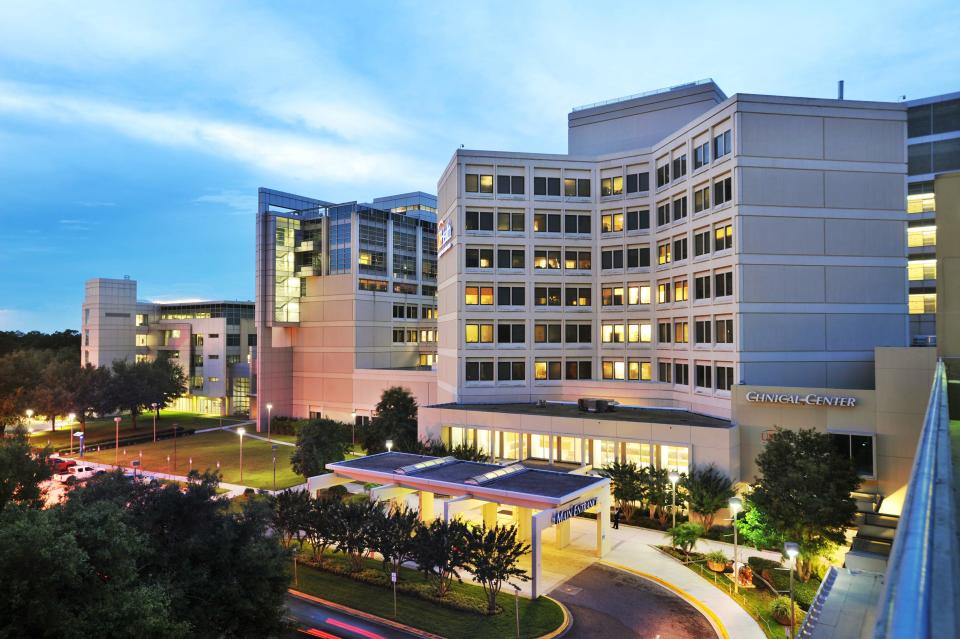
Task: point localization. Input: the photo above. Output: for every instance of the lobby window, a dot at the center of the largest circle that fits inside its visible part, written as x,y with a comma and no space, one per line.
675,458
547,333
664,372
579,369
547,186
478,183
680,291
511,221
611,222
576,223
611,296
663,253
664,332
576,187
578,333
478,295
611,186
510,184
701,331
681,374
578,296
722,191
546,259
701,155
604,452
921,270
546,222
722,145
576,260
478,257
611,259
723,237
680,208
638,182
479,370
701,199
611,333
724,377
724,331
857,448
680,249
510,296
923,303
511,258
638,219
638,332
511,446
637,453
570,449
511,370
663,293
476,221
681,332
547,370
638,370
638,294
478,333
546,296
701,287
377,286
679,166
638,256
724,284
613,369
921,236
663,214
663,174
701,243
540,446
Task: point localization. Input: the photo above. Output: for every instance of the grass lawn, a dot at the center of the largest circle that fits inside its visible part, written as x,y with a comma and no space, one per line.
536,617
104,430
206,450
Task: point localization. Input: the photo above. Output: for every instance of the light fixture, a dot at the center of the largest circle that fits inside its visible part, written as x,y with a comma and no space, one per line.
72,417
736,505
389,445
791,549
674,477
241,431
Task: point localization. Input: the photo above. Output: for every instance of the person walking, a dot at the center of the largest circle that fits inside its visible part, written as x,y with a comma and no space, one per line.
617,515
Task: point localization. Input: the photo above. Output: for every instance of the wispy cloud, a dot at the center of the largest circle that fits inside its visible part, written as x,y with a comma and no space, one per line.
238,203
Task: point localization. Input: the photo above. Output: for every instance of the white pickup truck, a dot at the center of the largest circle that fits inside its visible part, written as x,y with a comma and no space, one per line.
75,473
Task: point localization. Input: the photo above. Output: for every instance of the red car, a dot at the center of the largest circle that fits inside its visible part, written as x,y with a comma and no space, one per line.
59,464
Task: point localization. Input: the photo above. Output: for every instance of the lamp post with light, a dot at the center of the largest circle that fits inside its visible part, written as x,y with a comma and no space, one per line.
154,407
353,428
674,477
72,417
269,419
736,505
29,413
389,445
792,549
273,447
80,435
116,442
241,431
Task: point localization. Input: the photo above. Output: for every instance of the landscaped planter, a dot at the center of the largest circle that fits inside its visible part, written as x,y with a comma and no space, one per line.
717,566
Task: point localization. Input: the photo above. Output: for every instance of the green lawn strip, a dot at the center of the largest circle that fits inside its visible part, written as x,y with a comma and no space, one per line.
756,601
955,451
537,618
206,450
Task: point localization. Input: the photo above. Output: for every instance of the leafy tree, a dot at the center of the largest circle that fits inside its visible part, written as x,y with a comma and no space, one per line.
708,490
659,493
393,536
130,387
65,344
291,515
321,524
756,530
320,442
466,452
165,382
21,472
625,483
493,556
395,419
804,492
355,529
441,552
89,391
685,536
21,373
53,396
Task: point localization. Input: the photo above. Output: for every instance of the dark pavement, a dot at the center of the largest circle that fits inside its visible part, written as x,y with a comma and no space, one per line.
608,603
317,620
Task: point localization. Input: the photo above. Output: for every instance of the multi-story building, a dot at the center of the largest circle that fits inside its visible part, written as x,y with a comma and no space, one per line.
213,341
933,132
346,302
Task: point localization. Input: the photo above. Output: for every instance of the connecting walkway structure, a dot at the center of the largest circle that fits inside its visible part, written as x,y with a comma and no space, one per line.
539,499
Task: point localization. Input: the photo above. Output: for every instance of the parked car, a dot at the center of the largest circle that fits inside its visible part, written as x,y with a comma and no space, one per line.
75,474
60,464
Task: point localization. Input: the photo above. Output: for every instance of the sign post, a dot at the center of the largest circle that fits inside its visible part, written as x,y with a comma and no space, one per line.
393,580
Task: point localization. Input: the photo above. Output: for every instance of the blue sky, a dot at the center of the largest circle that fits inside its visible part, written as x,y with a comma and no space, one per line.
133,135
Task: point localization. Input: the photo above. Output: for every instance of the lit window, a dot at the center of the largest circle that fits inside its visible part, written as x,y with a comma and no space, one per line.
922,270
923,303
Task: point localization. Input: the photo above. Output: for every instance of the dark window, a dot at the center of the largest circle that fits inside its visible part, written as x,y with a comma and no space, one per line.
611,259
701,287
637,220
721,145
511,333
547,333
946,116
724,377
701,155
680,166
579,333
681,374
663,214
546,222
510,296
638,182
680,249
510,184
233,339
579,369
549,186
479,221
510,258
722,191
638,256
252,339
680,208
478,258
919,121
946,155
510,221
724,284
701,243
510,371
704,374
664,333
919,159
663,175
701,332
724,331
577,223
479,371
858,449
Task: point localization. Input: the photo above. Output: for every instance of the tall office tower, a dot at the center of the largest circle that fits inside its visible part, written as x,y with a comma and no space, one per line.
686,243
346,302
933,132
213,341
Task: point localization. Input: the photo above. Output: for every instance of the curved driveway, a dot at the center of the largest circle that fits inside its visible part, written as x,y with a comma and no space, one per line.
609,603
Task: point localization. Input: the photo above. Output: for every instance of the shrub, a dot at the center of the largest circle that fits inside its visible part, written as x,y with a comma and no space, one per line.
780,609
708,490
716,556
685,536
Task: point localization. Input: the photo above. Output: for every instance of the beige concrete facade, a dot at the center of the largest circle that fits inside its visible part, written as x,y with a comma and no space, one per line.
948,264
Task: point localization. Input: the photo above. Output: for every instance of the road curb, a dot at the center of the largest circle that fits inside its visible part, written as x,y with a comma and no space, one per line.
365,615
696,603
564,627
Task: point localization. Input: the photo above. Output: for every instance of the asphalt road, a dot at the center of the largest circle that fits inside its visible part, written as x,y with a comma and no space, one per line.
328,623
608,603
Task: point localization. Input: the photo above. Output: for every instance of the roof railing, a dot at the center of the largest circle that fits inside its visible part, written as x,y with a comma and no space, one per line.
645,94
921,593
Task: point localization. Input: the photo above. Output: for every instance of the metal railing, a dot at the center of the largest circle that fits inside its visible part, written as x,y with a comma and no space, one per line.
921,594
643,95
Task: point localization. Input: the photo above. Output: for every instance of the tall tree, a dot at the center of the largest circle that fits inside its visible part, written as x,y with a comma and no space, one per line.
393,536
441,552
708,490
21,373
493,556
625,483
131,387
21,472
320,442
54,396
396,420
90,391
804,491
356,526
291,513
166,382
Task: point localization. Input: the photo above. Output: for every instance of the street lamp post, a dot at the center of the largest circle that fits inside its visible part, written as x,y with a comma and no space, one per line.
353,428
80,435
175,446
241,431
735,504
71,418
269,419
674,478
154,407
792,549
116,442
273,447
389,445
29,413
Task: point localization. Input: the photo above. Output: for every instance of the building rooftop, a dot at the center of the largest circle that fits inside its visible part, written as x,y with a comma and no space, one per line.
621,413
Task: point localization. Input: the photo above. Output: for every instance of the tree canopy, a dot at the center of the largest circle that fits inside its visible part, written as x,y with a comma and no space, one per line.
21,472
395,419
319,442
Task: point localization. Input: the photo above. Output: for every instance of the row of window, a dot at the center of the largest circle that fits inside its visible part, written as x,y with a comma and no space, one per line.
414,311
414,336
403,288
722,146
706,332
